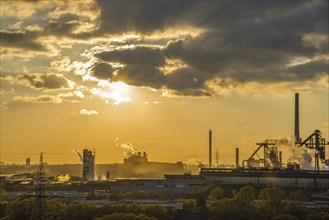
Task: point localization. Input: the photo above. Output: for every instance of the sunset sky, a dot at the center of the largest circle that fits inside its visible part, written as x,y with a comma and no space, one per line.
159,75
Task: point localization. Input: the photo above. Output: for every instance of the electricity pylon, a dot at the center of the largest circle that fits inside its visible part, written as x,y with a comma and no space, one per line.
39,207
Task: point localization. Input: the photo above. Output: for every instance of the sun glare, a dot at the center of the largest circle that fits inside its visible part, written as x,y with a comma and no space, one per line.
113,92
119,87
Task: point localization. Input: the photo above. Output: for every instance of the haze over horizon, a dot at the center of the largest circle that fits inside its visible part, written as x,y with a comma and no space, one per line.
97,74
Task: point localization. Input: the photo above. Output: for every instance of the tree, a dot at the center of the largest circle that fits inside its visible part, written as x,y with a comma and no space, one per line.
273,200
81,211
3,205
231,209
246,195
19,210
322,215
285,217
55,210
216,194
298,195
3,195
125,216
189,205
205,191
157,211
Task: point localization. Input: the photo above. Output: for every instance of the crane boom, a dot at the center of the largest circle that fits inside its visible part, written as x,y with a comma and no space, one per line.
81,159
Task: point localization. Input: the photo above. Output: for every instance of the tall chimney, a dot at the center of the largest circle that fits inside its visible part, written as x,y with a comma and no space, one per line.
280,158
210,148
297,137
237,157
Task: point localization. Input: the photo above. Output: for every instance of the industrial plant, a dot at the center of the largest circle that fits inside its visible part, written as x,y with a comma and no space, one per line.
267,169
263,168
142,182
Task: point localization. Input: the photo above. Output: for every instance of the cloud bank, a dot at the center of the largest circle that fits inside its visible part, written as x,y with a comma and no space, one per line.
192,48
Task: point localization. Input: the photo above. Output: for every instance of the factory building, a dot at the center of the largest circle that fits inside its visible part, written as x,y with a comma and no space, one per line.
284,178
88,165
137,165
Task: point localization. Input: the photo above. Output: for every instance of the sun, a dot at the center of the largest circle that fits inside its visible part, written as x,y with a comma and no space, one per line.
113,92
119,87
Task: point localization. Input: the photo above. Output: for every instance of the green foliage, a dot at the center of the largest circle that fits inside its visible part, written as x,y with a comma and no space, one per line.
3,205
298,195
246,195
273,200
227,192
231,209
125,216
124,208
81,211
157,211
285,217
205,191
189,205
3,195
216,194
19,210
55,210
319,215
22,209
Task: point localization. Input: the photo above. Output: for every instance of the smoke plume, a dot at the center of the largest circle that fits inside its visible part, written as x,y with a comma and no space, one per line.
300,155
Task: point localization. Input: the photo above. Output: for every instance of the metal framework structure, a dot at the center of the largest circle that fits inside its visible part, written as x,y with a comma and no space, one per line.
316,142
270,157
39,207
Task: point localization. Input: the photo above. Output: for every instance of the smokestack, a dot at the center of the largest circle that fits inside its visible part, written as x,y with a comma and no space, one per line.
237,157
297,138
280,158
210,148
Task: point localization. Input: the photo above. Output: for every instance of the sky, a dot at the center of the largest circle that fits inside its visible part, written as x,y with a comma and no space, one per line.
97,74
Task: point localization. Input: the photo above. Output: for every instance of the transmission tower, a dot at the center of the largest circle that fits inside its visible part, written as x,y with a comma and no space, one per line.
40,195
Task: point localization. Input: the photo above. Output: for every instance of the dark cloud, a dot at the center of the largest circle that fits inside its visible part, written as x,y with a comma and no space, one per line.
214,55
60,29
187,81
309,70
185,78
140,16
210,56
102,71
66,29
29,40
26,40
135,56
150,16
39,81
140,65
141,75
239,41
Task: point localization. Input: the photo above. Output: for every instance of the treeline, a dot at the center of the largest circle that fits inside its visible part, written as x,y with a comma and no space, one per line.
209,203
269,204
23,210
